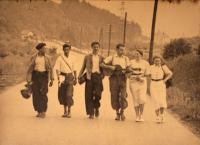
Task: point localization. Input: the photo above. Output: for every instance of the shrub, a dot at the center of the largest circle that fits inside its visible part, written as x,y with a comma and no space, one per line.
176,48
198,50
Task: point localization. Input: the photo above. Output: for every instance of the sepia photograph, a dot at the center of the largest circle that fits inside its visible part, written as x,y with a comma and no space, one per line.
99,72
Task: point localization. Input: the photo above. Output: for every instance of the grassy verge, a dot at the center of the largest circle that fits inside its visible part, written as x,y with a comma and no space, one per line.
184,96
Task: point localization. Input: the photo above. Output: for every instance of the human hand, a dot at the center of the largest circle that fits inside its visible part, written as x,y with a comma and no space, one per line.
51,83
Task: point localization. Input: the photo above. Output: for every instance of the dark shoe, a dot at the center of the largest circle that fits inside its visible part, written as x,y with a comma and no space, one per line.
123,116
96,113
64,115
117,117
69,115
38,115
91,117
43,115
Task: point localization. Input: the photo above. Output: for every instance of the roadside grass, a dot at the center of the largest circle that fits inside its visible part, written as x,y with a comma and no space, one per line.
184,96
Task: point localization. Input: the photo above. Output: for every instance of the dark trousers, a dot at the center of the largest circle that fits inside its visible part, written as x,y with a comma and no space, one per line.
118,92
93,91
40,89
65,91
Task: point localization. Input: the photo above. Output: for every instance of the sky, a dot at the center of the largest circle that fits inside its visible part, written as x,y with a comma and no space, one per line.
176,20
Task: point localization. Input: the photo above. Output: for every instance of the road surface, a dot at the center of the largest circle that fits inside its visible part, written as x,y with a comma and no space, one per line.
19,126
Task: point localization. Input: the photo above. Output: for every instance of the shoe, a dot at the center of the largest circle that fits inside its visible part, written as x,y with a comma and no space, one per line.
43,115
157,119
117,117
69,115
141,119
96,113
91,117
123,116
137,119
38,115
162,118
64,115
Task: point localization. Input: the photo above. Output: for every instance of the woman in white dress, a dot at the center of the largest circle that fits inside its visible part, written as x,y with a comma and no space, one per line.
159,74
138,83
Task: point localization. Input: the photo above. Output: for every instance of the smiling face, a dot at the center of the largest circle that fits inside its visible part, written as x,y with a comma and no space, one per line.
157,61
66,50
120,50
137,55
95,48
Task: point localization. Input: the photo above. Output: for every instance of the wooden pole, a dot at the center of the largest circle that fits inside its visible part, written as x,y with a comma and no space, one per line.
109,38
101,39
124,36
153,31
80,41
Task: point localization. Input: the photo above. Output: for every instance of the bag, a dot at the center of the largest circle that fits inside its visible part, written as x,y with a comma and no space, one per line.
169,82
26,93
61,93
82,79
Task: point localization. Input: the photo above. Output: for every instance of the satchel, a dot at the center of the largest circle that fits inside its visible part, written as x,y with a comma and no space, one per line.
61,93
82,79
169,82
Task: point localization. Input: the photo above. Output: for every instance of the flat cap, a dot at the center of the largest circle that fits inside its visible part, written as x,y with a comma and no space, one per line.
40,45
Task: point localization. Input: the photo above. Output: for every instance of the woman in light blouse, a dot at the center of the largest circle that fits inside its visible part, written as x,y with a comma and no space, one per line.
159,74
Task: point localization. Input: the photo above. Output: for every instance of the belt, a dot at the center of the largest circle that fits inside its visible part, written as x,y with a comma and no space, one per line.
136,74
39,72
65,74
156,80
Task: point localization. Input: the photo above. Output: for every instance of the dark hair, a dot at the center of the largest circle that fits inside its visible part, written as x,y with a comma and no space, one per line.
95,43
140,52
120,45
40,45
159,57
66,45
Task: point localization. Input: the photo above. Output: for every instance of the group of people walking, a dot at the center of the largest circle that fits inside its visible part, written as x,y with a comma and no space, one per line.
94,68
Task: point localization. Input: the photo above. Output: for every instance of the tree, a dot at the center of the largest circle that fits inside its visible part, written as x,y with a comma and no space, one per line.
176,48
154,24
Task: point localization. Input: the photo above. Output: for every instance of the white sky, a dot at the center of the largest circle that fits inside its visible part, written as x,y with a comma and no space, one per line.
174,19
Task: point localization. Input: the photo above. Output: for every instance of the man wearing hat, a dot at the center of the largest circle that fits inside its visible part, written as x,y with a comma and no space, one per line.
66,74
94,84
118,64
39,73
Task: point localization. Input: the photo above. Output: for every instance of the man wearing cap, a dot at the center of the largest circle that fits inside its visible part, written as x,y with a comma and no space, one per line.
39,73
138,83
66,74
118,64
94,85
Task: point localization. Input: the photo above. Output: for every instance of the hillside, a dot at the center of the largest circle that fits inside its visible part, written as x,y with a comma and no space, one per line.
62,21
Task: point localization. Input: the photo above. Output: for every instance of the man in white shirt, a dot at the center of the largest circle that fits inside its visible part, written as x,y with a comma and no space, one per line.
94,84
118,64
66,75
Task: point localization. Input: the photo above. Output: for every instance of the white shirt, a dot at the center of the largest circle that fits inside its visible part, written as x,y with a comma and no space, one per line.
40,64
61,65
123,61
95,63
158,72
139,67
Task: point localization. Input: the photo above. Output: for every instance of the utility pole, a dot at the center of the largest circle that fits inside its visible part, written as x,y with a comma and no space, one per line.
101,39
153,31
124,36
109,38
80,41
